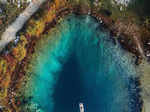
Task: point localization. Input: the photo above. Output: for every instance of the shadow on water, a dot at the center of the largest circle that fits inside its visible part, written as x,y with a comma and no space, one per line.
69,90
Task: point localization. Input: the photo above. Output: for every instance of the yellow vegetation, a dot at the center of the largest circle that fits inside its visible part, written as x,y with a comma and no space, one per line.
4,86
3,78
35,29
19,52
50,15
6,68
39,28
3,67
60,3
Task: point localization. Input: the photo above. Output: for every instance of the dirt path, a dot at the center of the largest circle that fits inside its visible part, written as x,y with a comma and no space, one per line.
10,32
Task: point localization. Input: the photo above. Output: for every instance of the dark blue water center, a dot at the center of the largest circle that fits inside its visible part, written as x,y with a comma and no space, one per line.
83,66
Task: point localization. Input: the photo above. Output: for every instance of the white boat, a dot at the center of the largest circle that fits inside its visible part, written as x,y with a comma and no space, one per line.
81,106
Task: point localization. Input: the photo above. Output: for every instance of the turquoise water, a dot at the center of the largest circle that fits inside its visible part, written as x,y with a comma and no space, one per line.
82,64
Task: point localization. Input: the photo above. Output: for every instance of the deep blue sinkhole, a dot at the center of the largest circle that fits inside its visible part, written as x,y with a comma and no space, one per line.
82,64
